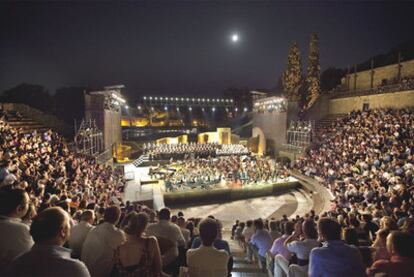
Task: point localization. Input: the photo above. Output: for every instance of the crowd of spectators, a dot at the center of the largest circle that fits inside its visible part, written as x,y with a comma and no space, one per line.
62,214
328,245
228,171
183,150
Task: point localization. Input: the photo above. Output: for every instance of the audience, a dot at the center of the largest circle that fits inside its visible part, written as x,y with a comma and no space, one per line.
261,241
365,159
98,250
80,231
300,243
15,238
400,246
139,255
207,261
169,234
278,247
334,258
50,231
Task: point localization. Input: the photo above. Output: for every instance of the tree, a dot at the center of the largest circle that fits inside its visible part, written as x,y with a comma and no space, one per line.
331,78
313,78
292,77
35,96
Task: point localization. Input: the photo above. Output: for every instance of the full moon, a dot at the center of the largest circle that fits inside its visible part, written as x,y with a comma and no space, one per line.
234,37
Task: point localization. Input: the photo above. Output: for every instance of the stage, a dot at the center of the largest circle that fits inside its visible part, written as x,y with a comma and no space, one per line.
140,187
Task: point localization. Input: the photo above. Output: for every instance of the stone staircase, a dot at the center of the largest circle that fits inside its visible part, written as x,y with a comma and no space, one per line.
241,267
144,158
25,124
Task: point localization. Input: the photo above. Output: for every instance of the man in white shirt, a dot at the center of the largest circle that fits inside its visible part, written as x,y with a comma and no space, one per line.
98,250
15,238
80,231
247,233
300,247
169,231
206,260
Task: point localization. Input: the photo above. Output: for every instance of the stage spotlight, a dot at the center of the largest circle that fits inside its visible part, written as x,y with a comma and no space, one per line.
145,98
202,109
152,109
161,98
156,98
126,107
213,109
150,97
178,109
190,109
236,109
139,107
166,108
204,100
245,109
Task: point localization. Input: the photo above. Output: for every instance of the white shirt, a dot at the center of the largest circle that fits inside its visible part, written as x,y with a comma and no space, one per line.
99,247
169,231
207,261
303,248
15,239
186,235
247,233
78,235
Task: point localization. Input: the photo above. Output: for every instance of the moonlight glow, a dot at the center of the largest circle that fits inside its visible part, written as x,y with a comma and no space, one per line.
234,38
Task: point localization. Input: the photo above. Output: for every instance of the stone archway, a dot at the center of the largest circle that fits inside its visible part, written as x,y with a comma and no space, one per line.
261,147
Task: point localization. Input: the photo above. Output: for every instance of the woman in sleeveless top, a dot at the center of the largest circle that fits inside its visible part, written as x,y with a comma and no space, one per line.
139,255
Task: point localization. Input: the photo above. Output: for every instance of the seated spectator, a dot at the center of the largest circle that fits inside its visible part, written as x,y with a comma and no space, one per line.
80,231
186,233
206,260
261,240
278,246
400,246
233,229
350,237
218,243
139,255
334,258
300,243
274,230
166,231
98,250
248,231
238,234
50,231
379,247
15,238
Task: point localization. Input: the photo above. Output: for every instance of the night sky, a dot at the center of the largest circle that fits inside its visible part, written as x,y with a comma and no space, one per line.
174,48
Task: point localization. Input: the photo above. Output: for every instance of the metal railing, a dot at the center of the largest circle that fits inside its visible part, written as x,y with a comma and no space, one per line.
404,86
